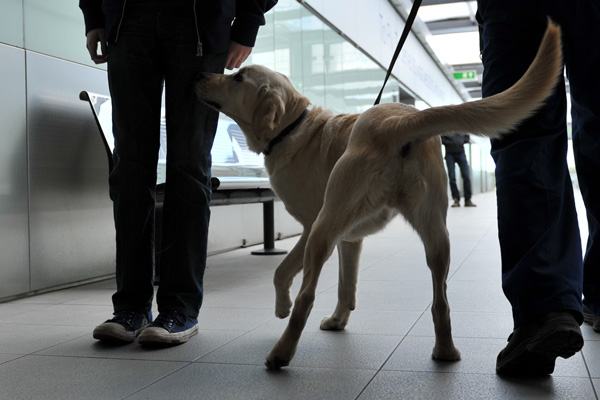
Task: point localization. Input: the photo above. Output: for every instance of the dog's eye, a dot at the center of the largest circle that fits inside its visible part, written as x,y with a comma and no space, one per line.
238,77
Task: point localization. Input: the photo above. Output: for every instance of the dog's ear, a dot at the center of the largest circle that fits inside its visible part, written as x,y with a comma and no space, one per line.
268,113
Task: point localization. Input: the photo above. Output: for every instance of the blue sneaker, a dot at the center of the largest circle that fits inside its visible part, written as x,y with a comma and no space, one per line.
169,328
123,327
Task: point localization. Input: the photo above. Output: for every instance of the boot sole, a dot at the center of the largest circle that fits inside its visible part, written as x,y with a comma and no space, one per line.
537,356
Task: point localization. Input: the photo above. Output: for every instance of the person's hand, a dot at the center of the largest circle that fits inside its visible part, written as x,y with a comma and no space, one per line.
237,55
94,37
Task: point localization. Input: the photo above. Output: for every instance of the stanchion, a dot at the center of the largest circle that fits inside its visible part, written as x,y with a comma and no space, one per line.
269,231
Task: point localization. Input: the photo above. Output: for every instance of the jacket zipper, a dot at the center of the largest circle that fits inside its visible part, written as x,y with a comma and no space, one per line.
199,44
120,21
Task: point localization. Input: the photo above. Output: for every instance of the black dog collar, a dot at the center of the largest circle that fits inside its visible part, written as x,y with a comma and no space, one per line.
284,133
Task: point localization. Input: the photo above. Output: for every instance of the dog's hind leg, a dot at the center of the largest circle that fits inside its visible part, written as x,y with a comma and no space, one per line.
284,276
349,253
431,227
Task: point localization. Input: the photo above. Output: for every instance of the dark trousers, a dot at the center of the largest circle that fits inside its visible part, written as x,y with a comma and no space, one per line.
155,49
542,266
465,173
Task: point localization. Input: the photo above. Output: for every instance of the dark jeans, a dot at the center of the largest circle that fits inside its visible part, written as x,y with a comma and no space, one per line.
157,48
465,173
542,266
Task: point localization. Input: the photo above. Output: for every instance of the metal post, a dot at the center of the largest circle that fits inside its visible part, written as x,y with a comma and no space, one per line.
269,231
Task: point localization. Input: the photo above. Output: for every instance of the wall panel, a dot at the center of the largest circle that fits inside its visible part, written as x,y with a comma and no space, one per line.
72,231
14,246
11,23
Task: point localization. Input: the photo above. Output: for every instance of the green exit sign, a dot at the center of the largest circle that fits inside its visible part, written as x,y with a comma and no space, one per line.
465,75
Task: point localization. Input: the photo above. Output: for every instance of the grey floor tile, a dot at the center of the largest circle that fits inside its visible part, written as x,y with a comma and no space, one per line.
398,270
8,357
470,325
477,302
491,288
16,308
62,315
316,349
384,301
448,386
27,339
420,288
48,378
243,298
85,346
249,382
589,334
233,319
591,352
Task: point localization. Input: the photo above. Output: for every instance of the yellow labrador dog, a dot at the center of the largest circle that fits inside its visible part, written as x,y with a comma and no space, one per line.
346,176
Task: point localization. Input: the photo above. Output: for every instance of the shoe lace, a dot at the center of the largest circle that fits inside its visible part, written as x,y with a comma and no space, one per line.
124,317
169,319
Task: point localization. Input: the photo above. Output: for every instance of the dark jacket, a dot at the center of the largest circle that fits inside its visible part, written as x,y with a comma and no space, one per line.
455,143
219,21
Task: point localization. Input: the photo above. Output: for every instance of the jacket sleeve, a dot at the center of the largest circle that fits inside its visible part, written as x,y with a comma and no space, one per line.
466,138
249,16
446,140
92,14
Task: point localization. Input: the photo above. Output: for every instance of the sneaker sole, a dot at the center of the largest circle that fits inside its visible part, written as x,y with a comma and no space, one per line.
161,337
538,355
113,333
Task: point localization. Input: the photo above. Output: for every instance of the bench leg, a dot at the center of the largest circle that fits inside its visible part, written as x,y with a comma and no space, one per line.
269,231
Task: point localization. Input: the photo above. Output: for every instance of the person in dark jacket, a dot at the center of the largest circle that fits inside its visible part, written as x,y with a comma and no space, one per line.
455,154
149,44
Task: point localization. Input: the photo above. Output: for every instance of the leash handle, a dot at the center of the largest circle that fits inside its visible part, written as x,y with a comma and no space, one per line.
405,32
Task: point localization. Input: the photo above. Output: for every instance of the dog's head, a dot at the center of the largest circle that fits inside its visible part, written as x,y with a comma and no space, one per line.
262,102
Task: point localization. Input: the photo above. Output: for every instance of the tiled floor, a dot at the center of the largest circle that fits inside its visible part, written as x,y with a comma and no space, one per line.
47,352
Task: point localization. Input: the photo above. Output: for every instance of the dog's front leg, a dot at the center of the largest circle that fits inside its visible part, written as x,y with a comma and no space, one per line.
284,276
317,252
349,254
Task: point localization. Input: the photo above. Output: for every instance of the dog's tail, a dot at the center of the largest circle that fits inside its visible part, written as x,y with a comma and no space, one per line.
502,112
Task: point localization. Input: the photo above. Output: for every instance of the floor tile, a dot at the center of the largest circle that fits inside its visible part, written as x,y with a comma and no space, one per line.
316,349
448,386
79,378
244,382
27,339
470,325
203,343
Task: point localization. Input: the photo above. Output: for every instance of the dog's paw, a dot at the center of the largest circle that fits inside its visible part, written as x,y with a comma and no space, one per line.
283,308
450,354
332,324
275,363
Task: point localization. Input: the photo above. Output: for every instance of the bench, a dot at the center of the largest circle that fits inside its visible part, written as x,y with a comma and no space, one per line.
226,190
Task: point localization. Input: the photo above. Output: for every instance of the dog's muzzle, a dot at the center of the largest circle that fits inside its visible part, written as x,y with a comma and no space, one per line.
201,91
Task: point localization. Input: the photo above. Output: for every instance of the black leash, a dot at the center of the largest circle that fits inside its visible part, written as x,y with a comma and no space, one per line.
405,32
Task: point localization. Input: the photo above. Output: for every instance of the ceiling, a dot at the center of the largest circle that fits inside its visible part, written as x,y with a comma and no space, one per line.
448,30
